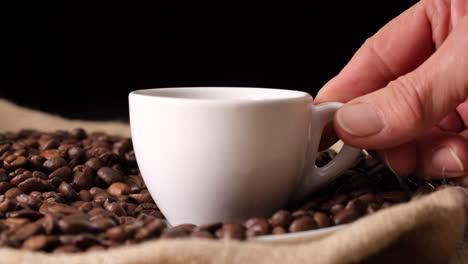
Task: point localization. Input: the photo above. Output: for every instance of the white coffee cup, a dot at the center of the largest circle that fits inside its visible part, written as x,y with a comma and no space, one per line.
212,154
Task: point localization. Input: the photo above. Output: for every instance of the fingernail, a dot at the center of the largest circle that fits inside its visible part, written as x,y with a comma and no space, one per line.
447,161
359,119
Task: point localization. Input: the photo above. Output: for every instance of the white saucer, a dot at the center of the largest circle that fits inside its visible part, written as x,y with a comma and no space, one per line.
312,234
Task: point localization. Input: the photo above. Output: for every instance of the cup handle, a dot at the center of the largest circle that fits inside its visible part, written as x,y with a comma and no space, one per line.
348,156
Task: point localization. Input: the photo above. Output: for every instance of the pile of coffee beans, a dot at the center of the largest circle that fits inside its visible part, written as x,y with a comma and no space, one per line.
70,191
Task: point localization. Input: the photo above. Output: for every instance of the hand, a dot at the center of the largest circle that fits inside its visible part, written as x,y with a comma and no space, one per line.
405,90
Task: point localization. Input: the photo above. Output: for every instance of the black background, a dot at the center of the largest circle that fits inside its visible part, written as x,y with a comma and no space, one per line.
82,63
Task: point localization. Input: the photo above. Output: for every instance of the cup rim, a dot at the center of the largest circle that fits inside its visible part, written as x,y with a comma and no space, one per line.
281,95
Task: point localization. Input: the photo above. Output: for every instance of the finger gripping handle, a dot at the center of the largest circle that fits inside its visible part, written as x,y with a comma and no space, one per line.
316,177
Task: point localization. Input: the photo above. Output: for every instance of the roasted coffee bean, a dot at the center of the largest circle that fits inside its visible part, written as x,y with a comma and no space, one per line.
135,182
66,249
357,205
76,153
4,148
16,172
36,161
13,223
57,209
28,201
78,133
49,223
120,233
302,224
95,190
7,205
257,227
3,175
25,231
336,208
83,176
67,239
232,232
95,248
63,173
209,227
85,206
145,206
345,216
153,229
20,152
3,227
101,197
53,197
31,184
152,212
55,181
129,208
367,198
13,192
39,175
189,227
281,218
106,214
143,197
86,240
174,232
109,175
122,146
20,178
51,153
41,242
116,208
372,208
321,219
118,188
13,162
278,230
130,158
54,163
36,195
68,191
73,163
301,213
397,197
85,196
73,224
386,205
123,199
77,204
24,213
202,234
49,144
108,158
94,164
97,211
125,220
338,199
4,186
117,167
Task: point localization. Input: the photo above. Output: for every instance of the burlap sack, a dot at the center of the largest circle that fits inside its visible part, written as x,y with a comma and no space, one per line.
429,229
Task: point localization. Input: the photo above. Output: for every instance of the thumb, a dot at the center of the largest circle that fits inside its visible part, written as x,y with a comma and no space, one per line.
410,105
